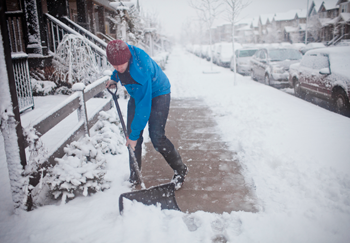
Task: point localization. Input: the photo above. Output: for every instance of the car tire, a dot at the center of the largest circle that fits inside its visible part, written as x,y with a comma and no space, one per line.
267,80
252,75
341,102
297,90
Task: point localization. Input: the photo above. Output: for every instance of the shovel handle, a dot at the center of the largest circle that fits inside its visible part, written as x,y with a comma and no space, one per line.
135,164
115,98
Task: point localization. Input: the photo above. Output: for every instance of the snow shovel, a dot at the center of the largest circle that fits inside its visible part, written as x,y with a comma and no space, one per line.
163,194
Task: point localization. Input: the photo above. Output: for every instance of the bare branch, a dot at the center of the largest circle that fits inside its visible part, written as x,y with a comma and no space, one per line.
207,10
234,8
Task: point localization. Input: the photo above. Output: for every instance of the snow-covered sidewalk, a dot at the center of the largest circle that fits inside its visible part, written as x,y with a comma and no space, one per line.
297,155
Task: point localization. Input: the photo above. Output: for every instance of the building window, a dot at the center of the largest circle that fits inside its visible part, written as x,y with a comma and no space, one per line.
344,8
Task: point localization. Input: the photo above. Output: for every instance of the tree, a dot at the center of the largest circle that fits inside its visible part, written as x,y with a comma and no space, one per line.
134,25
187,33
233,9
207,11
314,28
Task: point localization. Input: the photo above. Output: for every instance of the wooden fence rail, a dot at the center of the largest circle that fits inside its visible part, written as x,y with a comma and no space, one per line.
75,102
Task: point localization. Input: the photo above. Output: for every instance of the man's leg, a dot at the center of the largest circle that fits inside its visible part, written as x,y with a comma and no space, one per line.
138,149
156,124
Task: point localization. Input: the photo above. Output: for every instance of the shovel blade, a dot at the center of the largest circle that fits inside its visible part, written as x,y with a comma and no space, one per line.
163,194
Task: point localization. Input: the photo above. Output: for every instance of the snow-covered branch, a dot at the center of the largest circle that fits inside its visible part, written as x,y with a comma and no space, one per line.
233,8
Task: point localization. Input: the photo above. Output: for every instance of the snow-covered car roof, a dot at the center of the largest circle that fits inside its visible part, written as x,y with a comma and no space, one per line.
339,57
315,44
277,47
249,48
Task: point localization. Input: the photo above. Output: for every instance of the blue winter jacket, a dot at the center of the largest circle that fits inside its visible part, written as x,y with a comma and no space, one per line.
152,83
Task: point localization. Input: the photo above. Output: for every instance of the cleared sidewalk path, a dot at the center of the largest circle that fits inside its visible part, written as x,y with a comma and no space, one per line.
214,182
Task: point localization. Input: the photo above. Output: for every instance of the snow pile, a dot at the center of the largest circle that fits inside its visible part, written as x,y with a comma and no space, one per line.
36,149
42,88
107,132
82,169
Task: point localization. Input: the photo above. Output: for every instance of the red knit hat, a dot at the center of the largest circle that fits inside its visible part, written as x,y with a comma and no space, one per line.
118,52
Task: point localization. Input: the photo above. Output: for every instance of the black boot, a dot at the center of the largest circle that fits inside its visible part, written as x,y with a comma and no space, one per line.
179,177
180,169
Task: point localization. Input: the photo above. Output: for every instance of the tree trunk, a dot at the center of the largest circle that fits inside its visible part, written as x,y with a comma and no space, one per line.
234,54
211,51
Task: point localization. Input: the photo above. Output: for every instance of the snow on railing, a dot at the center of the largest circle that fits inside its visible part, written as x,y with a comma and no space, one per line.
105,36
58,29
76,101
86,33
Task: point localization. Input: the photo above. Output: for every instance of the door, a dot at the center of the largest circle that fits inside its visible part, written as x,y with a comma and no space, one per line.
322,80
307,73
254,63
262,64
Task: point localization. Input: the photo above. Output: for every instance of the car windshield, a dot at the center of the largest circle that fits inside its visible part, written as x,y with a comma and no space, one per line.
246,53
276,55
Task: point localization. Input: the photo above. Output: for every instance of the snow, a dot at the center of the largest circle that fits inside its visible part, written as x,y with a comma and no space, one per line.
122,5
78,87
42,87
289,29
17,55
296,153
339,59
315,44
330,4
289,15
345,17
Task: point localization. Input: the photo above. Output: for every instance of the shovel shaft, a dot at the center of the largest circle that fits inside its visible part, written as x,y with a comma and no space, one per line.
133,157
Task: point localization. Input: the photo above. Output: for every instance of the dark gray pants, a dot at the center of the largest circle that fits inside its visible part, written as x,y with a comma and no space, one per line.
156,126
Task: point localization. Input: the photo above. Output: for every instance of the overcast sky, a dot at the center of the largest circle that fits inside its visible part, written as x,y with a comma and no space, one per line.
172,13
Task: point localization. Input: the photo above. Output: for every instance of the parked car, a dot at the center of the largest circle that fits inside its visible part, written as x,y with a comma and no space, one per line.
224,53
197,50
206,52
243,57
324,73
271,65
343,43
298,46
215,49
311,46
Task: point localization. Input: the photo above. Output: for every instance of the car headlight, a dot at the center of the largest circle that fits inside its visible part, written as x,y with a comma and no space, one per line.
277,69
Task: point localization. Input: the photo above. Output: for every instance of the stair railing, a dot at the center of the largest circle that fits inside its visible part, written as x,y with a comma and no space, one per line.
57,29
87,34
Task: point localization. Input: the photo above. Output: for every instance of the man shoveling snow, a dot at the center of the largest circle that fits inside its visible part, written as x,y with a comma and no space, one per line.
149,89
